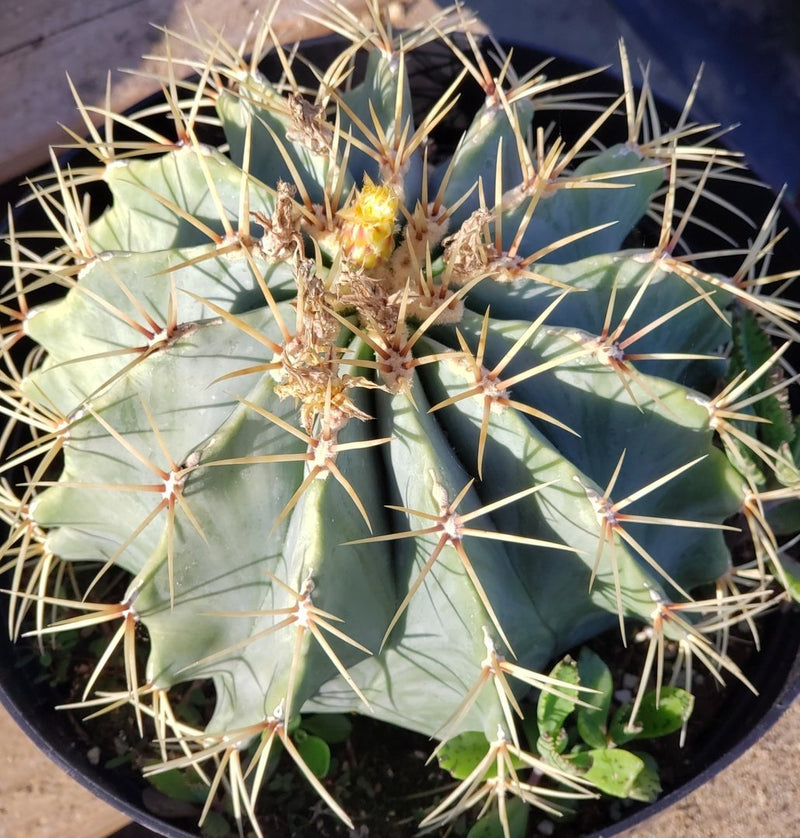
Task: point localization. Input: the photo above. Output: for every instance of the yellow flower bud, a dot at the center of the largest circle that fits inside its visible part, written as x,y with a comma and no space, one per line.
368,225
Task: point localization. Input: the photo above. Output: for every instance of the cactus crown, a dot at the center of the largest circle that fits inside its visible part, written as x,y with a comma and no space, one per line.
377,427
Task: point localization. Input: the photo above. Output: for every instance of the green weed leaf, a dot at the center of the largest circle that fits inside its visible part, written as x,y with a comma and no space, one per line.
315,752
461,754
180,785
332,727
614,770
658,716
552,710
784,519
490,826
751,348
593,723
647,786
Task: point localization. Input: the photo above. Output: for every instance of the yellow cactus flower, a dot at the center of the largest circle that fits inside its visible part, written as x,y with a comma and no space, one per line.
368,225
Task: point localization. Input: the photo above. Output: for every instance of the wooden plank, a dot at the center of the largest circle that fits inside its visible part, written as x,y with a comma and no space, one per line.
34,21
34,93
37,799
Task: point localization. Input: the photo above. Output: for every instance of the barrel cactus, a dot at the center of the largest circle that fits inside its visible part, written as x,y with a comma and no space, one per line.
373,425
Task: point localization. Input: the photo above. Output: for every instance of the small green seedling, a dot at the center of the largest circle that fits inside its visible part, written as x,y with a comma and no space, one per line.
579,732
314,736
588,737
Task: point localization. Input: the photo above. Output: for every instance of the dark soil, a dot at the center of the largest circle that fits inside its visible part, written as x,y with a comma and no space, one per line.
380,775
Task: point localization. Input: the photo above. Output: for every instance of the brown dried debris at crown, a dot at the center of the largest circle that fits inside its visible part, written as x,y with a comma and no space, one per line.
309,127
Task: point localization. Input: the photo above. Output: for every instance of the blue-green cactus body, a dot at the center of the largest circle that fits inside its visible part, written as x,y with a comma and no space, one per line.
292,460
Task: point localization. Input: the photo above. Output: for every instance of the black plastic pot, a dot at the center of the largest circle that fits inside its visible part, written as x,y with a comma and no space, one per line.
57,734
742,719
